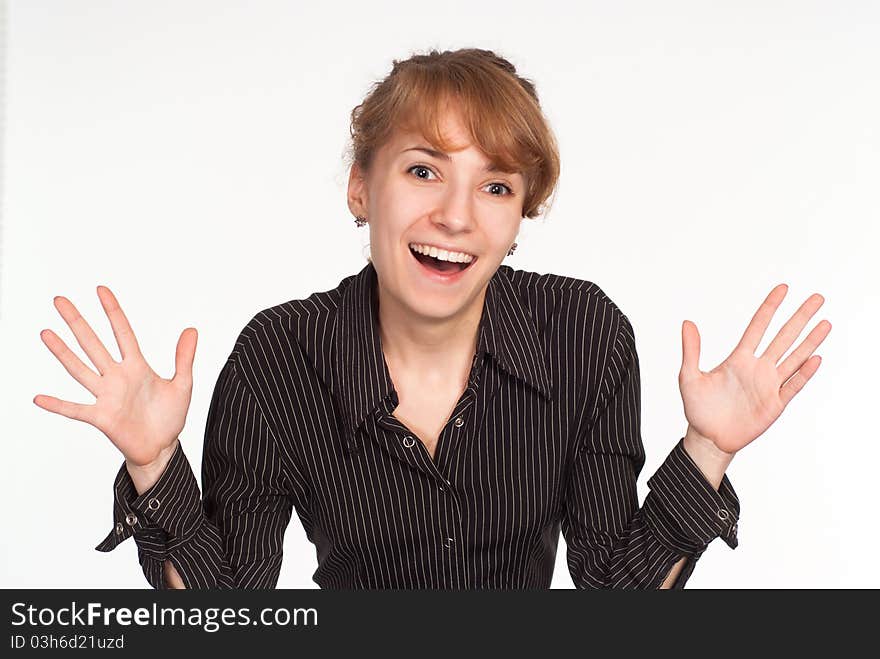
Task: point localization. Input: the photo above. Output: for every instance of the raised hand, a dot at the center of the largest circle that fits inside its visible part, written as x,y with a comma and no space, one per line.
140,412
735,402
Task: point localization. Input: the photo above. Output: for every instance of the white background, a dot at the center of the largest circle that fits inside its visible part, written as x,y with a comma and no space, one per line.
189,154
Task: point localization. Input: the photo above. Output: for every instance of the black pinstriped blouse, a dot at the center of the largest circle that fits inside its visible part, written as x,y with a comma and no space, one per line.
546,436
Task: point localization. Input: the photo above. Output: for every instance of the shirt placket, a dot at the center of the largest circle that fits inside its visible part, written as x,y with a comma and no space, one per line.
452,435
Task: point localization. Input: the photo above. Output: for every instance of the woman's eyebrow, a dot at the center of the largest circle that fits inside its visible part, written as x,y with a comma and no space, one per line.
491,167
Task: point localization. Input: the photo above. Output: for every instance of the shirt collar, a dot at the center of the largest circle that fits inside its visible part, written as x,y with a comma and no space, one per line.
506,331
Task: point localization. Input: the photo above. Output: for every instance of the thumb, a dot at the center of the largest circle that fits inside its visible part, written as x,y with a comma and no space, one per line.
185,355
690,350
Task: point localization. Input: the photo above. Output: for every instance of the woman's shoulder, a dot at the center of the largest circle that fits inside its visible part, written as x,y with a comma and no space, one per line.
563,294
578,322
287,322
318,304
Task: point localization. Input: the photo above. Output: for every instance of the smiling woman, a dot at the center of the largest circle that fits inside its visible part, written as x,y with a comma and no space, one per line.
437,418
499,110
449,153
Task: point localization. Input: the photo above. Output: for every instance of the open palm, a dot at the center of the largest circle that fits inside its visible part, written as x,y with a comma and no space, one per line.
735,402
139,411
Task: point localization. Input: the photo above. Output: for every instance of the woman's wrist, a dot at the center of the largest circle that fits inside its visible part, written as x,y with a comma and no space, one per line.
146,476
711,460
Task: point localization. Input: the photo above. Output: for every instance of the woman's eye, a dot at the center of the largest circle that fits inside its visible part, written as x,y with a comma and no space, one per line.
501,185
421,168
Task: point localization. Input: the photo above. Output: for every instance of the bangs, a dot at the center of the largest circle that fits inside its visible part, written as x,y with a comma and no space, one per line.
498,109
491,117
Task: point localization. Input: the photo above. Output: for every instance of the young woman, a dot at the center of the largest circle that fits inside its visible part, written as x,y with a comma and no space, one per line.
438,417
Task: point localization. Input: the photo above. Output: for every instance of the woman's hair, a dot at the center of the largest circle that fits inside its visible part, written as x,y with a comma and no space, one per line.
499,108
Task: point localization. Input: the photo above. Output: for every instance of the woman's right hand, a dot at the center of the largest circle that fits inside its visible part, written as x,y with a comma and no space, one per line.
140,412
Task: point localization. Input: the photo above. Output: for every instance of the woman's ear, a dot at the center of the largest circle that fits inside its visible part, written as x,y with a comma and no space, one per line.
357,191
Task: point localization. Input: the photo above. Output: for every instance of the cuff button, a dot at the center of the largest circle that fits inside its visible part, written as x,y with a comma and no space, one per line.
119,528
131,519
153,504
723,514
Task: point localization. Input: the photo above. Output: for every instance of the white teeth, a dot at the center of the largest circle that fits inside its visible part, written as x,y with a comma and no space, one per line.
441,254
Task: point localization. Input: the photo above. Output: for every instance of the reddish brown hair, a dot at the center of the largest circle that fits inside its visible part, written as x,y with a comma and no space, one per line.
499,108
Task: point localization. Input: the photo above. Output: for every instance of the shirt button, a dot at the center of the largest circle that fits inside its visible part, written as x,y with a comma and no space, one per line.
723,514
119,528
448,543
131,519
153,504
459,422
408,441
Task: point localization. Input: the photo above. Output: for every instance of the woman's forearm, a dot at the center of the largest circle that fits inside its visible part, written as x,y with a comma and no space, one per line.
673,573
172,579
713,464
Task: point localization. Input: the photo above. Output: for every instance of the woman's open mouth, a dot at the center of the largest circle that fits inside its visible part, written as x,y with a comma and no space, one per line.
445,266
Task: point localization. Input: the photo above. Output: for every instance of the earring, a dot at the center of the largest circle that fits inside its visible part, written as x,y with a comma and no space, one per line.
512,249
360,221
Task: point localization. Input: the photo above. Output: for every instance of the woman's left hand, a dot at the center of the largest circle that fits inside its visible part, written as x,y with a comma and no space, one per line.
736,401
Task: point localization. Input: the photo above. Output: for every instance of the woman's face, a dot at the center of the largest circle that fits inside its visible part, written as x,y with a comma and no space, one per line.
415,195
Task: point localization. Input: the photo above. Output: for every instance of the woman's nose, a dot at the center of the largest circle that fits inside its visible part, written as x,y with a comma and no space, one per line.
456,209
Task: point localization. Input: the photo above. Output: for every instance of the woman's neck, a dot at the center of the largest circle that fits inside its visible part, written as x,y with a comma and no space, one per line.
431,347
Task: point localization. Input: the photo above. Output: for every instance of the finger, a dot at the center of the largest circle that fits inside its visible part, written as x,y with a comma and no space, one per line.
761,320
84,334
807,347
76,411
72,364
690,350
792,329
797,381
125,338
184,356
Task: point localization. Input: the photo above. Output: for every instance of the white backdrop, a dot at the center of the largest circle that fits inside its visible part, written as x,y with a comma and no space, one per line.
189,154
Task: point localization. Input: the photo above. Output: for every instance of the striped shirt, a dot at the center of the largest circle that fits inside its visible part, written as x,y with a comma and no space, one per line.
545,437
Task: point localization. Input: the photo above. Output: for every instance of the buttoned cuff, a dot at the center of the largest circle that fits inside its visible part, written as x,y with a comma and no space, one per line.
164,517
683,509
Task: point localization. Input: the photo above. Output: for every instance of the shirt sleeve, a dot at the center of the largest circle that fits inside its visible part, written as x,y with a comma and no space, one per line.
611,541
231,538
